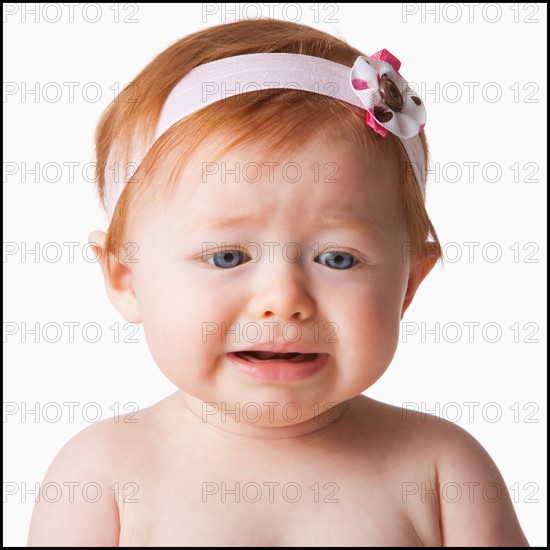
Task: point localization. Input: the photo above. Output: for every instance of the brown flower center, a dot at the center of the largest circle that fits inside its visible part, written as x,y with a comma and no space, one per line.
390,93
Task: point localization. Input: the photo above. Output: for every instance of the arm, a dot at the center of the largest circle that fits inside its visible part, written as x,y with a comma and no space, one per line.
70,512
474,503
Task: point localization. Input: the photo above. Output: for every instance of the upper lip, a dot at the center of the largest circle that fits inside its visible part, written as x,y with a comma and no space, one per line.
279,347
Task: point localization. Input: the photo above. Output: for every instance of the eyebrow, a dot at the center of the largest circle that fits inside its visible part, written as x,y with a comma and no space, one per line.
360,223
356,222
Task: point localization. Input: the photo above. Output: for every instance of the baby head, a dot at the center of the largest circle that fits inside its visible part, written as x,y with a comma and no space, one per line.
276,221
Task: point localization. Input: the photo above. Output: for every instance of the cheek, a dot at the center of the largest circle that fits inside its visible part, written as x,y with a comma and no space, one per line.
375,321
370,327
180,321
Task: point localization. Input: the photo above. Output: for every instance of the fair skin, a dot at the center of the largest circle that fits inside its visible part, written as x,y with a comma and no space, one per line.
365,473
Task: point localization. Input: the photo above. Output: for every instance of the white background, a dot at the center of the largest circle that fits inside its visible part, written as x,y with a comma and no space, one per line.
496,48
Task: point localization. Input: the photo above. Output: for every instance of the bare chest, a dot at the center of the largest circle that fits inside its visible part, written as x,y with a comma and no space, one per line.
253,508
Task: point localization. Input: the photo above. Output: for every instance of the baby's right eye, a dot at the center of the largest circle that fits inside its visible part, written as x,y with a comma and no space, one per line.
226,258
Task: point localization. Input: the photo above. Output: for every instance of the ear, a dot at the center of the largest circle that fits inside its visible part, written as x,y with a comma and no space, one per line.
419,269
118,279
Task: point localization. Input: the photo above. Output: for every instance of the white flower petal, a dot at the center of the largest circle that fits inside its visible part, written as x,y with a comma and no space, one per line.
401,125
367,97
364,71
416,112
385,68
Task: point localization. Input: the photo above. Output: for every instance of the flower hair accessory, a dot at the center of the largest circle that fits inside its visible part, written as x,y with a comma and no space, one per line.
390,103
373,83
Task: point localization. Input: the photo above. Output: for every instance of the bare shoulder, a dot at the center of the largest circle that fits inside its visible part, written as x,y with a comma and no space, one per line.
475,507
83,485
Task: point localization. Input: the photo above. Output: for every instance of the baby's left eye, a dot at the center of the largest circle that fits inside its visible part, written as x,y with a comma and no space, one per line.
337,260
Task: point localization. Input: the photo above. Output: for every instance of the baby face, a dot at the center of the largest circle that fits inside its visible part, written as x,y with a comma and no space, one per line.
292,255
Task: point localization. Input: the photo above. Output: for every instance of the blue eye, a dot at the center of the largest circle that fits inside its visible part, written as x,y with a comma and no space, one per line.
226,259
337,260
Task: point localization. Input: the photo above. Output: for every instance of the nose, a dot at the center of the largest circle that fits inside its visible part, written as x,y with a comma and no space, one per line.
282,292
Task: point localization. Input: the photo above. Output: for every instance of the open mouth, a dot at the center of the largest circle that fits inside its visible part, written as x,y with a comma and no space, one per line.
259,356
279,367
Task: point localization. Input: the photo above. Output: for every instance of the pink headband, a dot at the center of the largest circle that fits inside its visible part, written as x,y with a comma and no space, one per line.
373,83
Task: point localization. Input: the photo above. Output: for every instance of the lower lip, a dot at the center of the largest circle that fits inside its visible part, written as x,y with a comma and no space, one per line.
282,371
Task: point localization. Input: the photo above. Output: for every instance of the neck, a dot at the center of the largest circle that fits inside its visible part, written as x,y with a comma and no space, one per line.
224,424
